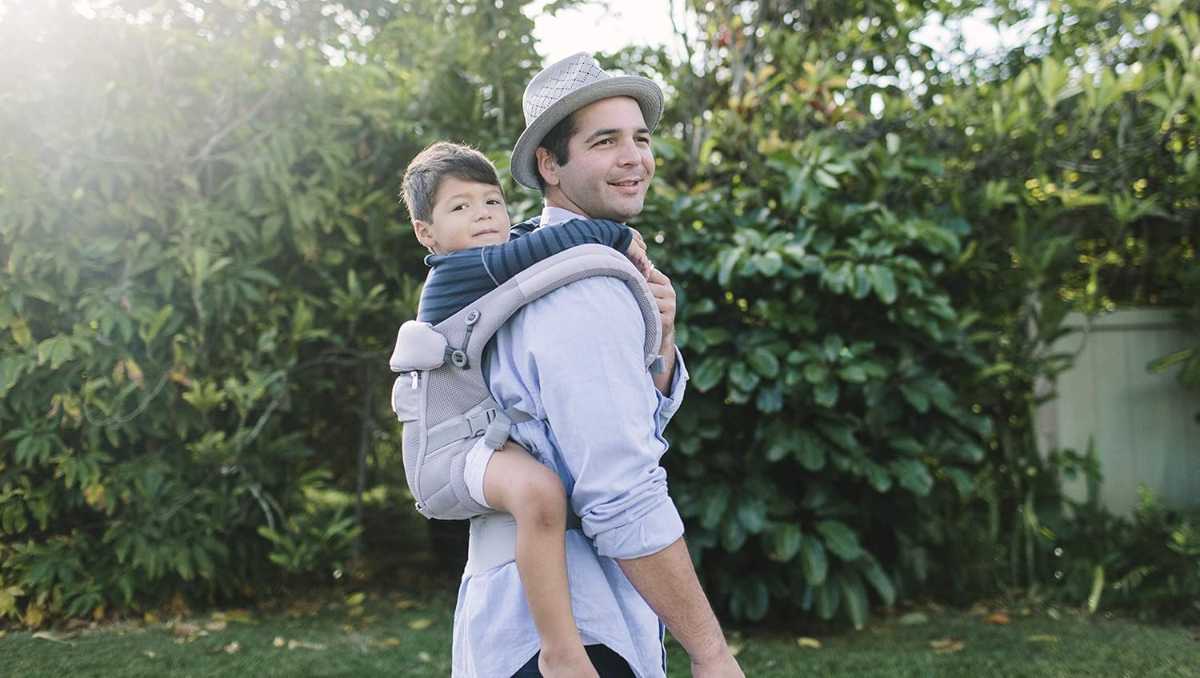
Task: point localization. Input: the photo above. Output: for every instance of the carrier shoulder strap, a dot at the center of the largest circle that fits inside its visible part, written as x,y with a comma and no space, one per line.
468,331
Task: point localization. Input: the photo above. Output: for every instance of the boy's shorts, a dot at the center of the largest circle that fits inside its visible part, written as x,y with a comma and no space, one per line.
475,468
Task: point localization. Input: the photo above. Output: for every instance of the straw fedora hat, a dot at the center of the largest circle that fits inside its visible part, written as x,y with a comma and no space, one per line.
565,87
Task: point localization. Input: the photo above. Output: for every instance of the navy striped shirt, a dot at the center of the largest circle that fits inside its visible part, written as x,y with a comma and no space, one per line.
457,279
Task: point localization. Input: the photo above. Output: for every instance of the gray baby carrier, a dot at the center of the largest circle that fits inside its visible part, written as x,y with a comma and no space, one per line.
441,396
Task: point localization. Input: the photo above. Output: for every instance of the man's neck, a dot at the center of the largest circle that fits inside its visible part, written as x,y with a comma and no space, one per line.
552,215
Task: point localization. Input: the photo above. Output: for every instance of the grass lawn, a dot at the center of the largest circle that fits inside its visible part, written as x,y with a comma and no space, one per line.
394,634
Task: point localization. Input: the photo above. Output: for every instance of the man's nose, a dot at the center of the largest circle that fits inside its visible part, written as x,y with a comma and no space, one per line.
628,154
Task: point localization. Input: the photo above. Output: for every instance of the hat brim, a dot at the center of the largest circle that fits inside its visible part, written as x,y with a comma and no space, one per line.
645,92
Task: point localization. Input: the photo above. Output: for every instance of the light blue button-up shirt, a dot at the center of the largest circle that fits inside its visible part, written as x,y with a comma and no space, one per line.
573,361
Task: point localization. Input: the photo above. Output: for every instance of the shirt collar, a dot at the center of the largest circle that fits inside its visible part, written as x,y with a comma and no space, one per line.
552,216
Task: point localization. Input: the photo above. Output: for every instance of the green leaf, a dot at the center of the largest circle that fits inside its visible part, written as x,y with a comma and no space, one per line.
785,542
768,263
879,580
828,599
728,259
962,480
764,362
813,560
853,374
826,395
815,373
884,282
810,451
840,539
915,398
855,597
741,376
752,514
709,374
913,476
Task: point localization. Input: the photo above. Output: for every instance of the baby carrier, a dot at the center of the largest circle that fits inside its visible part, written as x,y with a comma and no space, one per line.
441,396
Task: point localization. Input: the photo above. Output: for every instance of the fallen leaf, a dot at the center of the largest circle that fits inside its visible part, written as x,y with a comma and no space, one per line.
947,645
279,641
184,629
811,643
232,648
420,624
149,653
3,633
424,656
978,610
1000,617
55,637
355,599
355,612
404,604
294,644
150,618
1053,614
391,642
914,618
1042,638
241,616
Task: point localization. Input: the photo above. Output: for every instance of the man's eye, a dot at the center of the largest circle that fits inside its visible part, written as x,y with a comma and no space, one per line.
603,142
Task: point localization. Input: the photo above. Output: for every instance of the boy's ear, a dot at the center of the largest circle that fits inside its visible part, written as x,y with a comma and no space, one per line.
547,165
424,233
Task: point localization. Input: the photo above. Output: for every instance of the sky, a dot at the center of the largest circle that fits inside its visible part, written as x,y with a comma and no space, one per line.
606,26
595,28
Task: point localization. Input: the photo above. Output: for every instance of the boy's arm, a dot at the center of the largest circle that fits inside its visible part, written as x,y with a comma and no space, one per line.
505,260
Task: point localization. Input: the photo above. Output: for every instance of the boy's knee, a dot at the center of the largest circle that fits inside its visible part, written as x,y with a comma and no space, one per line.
543,500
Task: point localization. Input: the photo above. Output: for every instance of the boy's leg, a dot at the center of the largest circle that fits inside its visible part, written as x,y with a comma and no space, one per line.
517,484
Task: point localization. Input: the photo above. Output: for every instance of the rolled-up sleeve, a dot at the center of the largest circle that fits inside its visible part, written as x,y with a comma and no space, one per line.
607,417
669,404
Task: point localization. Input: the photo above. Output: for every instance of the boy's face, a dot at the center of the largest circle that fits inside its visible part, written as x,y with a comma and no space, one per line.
466,214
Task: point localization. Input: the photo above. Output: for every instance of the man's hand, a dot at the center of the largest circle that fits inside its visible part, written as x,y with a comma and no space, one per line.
664,295
637,254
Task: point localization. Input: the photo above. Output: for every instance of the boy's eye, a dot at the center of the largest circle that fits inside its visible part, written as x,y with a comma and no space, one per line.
456,208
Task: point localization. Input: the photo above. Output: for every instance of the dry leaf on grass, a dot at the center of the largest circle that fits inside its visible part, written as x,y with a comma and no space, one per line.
810,643
404,604
300,644
56,637
184,629
424,656
3,633
947,645
232,648
150,653
1042,638
420,624
1000,617
279,641
216,625
914,618
391,642
355,599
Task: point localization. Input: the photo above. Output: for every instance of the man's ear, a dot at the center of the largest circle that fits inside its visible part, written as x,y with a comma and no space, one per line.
547,165
424,233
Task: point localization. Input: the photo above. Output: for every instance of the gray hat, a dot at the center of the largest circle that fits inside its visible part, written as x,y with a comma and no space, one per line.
565,87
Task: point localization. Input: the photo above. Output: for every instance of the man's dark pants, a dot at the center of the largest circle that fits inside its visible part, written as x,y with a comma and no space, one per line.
608,664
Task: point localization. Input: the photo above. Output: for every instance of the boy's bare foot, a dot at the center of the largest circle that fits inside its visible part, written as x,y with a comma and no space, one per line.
567,664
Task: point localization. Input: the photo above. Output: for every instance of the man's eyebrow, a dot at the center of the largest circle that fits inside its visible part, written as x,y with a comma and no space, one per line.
612,130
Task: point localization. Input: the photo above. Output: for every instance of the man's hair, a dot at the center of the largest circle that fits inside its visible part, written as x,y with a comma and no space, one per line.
555,141
438,161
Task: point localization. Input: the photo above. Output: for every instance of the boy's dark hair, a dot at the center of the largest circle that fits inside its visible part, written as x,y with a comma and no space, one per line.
438,161
555,141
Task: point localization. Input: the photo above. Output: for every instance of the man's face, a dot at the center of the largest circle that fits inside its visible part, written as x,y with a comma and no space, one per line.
609,164
465,214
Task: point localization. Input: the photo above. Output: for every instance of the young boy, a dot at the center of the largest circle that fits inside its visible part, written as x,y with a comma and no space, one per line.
458,212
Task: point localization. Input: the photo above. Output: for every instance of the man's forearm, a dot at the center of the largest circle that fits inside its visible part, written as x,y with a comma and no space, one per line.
669,584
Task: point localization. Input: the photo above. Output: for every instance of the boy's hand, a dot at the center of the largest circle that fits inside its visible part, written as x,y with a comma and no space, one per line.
637,254
664,296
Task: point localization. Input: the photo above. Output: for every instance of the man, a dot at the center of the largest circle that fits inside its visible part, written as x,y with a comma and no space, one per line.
573,361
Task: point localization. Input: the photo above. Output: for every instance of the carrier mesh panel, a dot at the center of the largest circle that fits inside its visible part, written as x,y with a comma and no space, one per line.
412,445
452,392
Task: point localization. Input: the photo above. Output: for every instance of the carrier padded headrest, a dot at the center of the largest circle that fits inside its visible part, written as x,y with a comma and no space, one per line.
418,347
